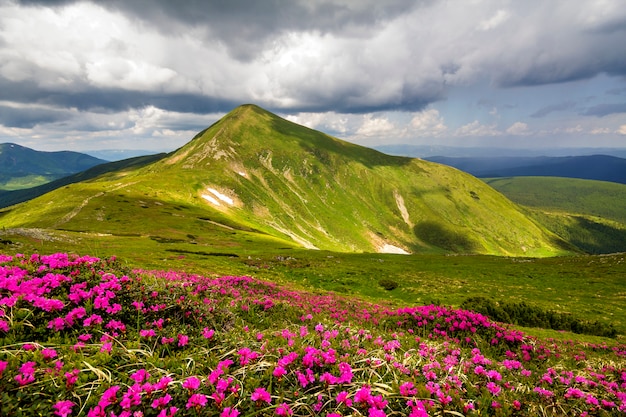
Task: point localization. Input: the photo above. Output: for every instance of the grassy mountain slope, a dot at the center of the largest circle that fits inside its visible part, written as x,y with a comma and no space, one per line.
255,173
22,167
589,214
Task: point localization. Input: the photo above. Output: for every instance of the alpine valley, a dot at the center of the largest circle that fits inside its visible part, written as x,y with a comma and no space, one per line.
267,269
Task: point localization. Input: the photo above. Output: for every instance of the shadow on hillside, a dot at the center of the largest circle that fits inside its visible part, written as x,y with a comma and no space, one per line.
321,145
595,238
439,235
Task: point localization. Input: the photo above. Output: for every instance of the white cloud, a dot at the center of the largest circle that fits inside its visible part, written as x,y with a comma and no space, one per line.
427,123
622,130
331,122
518,129
574,129
600,131
494,21
375,126
475,128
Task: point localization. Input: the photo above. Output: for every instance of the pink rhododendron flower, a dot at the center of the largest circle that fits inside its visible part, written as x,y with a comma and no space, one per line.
71,378
183,340
196,400
279,371
63,408
161,402
49,353
192,383
24,379
132,397
363,395
260,394
407,389
147,333
342,398
140,376
493,388
109,396
283,410
375,412
229,412
167,412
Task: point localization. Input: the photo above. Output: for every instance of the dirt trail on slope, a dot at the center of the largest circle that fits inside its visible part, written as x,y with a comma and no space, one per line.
69,216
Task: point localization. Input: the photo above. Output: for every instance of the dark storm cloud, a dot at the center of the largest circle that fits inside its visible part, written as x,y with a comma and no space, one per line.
109,100
26,118
418,47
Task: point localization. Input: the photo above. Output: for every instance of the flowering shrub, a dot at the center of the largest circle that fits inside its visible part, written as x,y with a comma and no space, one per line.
84,336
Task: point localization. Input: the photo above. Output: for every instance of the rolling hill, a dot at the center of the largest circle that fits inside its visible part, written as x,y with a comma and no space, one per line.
22,167
587,213
254,175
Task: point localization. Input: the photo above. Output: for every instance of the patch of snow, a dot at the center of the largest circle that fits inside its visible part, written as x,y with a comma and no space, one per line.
402,207
210,199
387,248
226,199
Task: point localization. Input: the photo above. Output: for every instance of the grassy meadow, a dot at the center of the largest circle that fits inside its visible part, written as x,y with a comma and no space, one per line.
591,288
90,336
128,294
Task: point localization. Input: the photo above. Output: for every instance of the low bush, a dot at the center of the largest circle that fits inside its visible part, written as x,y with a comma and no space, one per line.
388,284
531,316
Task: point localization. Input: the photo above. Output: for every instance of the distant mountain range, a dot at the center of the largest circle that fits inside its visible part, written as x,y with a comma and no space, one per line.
427,151
591,167
22,167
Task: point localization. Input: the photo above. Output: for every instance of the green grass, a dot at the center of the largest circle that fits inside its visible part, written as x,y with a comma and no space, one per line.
590,288
26,181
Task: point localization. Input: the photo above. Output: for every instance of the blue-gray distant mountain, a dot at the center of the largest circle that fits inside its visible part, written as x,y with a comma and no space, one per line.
592,167
22,167
426,151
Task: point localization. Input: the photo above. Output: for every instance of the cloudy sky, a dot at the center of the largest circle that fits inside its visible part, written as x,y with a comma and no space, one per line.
149,74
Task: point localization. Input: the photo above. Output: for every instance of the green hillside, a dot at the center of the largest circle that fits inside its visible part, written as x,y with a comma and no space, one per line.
589,214
256,173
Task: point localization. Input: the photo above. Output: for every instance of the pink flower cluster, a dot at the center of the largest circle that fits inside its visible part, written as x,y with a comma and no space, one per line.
126,344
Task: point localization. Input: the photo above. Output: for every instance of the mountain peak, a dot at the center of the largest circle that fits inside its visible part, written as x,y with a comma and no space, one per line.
322,192
249,131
